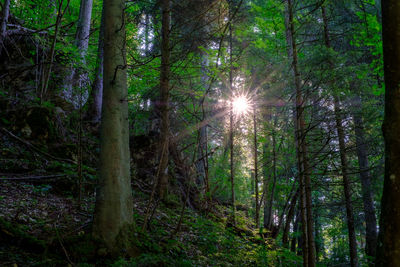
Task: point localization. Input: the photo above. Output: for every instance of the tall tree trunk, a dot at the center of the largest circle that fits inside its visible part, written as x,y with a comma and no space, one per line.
257,215
231,123
155,49
289,198
232,166
365,177
343,160
96,95
201,154
388,250
272,193
163,104
346,184
79,77
4,19
202,164
319,238
304,170
266,180
114,203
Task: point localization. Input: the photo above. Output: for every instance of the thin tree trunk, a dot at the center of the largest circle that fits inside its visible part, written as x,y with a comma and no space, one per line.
289,218
307,188
114,202
96,95
232,166
287,202
202,164
365,177
346,185
252,187
47,71
319,239
300,240
206,173
388,250
304,170
201,153
164,101
4,20
303,220
231,124
257,215
344,163
272,193
266,181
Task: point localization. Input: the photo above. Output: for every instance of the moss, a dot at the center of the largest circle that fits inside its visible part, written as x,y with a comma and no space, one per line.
126,245
172,201
127,241
83,247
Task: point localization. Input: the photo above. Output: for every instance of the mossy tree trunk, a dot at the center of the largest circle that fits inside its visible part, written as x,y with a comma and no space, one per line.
114,204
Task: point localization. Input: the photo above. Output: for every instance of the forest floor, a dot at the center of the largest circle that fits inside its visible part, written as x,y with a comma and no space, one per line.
42,223
40,228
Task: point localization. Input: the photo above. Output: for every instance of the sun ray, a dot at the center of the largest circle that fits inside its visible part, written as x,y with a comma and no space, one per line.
240,105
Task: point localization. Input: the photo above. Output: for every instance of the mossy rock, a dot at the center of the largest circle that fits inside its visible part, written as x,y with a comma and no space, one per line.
39,121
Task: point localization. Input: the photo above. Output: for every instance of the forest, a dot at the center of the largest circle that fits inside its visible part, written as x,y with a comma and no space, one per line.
200,133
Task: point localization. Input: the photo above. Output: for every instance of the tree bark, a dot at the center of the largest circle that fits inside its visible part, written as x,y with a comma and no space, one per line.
388,250
4,20
232,165
289,218
346,185
77,77
272,193
202,154
231,122
163,104
47,69
266,181
202,164
257,215
114,203
319,238
365,177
